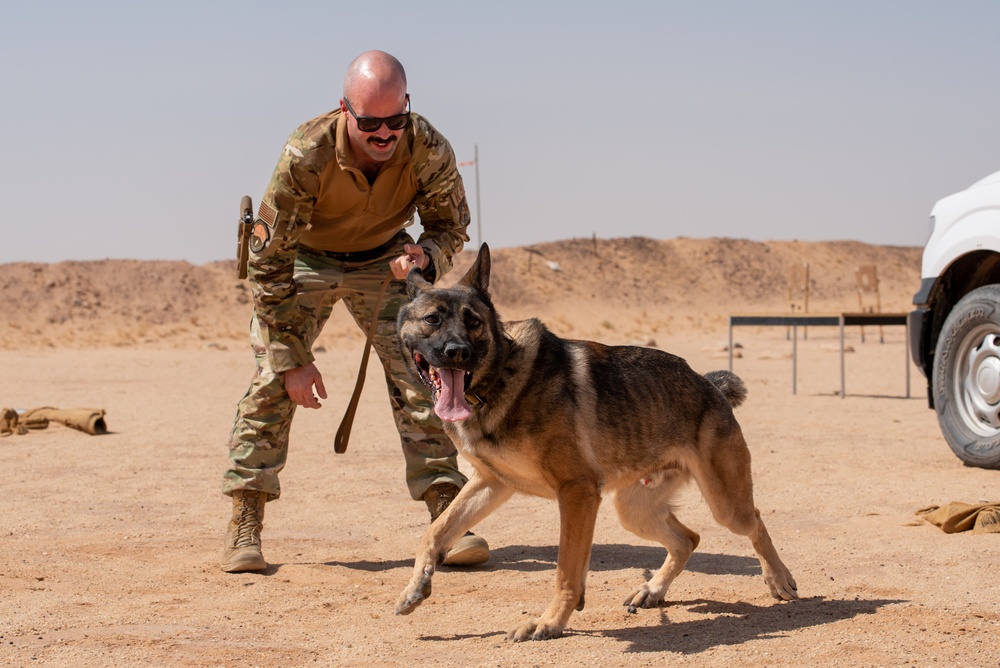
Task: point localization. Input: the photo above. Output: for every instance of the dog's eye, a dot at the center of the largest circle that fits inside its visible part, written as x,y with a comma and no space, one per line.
432,319
472,321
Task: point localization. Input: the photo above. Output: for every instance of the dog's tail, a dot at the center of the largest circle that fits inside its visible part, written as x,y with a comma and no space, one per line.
730,385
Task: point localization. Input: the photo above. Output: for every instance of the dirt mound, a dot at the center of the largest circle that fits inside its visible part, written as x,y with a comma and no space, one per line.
120,303
730,273
583,284
635,289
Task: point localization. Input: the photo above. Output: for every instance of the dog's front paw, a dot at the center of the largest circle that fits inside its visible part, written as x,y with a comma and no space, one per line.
643,597
414,594
536,630
782,585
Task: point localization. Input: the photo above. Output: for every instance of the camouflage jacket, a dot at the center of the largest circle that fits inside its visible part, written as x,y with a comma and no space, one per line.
315,198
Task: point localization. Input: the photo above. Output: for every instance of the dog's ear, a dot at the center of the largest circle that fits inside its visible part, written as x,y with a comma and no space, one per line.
478,276
416,283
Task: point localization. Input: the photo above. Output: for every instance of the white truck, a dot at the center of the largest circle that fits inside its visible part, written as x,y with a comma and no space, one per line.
954,331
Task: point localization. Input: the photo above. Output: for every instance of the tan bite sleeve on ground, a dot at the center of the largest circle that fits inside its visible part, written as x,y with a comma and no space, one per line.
88,420
958,516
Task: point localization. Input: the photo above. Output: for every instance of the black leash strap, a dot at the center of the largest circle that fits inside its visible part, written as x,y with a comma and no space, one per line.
344,431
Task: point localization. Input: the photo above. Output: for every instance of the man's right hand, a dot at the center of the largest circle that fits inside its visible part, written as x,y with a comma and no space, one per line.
299,385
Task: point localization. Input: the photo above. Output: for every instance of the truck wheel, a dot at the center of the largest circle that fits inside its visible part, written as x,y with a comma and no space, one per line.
967,378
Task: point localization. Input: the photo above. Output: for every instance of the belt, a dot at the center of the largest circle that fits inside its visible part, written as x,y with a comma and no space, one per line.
353,256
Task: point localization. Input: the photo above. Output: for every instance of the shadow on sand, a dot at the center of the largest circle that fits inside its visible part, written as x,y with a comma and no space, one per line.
729,624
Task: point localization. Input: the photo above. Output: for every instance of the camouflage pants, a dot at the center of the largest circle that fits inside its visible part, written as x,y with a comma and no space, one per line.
258,445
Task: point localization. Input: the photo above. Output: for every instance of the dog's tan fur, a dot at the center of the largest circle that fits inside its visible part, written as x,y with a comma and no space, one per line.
554,424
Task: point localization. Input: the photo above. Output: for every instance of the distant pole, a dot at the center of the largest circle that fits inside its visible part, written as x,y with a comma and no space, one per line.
479,210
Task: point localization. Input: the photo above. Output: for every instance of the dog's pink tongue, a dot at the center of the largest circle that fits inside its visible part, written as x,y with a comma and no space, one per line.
451,405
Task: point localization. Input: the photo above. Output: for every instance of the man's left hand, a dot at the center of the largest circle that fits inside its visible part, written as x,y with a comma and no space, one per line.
414,258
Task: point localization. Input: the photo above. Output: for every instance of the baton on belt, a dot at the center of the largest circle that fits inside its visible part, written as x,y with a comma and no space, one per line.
245,224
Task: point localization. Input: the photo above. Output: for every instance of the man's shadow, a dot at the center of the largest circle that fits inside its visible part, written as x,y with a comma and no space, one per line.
603,557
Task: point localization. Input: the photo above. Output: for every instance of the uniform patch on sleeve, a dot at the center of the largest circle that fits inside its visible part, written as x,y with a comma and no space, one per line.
267,213
259,235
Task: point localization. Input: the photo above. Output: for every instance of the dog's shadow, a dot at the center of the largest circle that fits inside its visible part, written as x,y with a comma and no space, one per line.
726,623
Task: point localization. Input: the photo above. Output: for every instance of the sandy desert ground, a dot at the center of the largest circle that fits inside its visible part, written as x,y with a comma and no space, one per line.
110,543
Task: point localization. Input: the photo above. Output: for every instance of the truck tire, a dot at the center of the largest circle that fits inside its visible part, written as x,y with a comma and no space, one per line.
967,378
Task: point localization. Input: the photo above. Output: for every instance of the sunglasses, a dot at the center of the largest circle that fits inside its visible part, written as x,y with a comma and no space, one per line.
373,123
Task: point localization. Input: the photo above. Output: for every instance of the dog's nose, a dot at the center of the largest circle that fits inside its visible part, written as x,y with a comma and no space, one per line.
457,352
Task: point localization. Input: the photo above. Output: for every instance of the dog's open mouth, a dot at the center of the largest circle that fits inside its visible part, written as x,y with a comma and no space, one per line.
447,389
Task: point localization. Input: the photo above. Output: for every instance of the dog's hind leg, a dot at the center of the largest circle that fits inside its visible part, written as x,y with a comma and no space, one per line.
578,505
478,498
646,512
778,578
726,484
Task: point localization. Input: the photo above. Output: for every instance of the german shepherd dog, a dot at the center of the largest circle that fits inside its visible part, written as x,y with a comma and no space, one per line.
572,420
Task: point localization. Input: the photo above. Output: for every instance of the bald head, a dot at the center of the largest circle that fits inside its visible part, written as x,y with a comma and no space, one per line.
374,88
374,74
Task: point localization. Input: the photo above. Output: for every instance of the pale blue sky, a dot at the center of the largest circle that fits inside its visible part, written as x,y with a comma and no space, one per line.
132,129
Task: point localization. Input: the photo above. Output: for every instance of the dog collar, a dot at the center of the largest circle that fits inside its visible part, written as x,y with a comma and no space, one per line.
477,399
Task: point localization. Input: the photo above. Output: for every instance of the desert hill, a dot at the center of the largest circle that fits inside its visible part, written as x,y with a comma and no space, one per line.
610,289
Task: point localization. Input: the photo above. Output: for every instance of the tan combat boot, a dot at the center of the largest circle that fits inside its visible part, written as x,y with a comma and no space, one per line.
470,549
242,551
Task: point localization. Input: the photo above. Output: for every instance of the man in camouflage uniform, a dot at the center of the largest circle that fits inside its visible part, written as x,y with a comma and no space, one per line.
330,227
